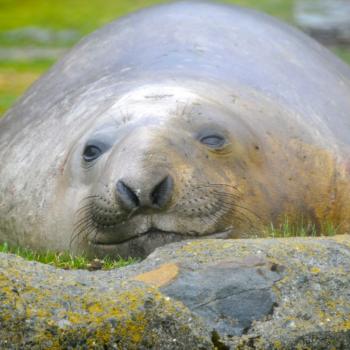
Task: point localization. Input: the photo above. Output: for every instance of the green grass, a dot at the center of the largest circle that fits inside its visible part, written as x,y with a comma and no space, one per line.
343,53
302,229
39,66
82,17
16,76
85,16
66,260
6,100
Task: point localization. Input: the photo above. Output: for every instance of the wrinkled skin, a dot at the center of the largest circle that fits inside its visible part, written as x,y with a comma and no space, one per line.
141,136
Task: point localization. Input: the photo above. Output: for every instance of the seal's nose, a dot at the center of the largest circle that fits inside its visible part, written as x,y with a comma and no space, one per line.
156,197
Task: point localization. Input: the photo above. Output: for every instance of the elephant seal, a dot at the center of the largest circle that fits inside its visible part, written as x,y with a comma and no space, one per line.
180,121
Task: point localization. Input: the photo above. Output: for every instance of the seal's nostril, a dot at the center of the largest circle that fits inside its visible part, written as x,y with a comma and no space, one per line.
155,197
127,196
162,192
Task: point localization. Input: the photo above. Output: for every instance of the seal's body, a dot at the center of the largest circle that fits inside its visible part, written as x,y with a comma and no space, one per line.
183,120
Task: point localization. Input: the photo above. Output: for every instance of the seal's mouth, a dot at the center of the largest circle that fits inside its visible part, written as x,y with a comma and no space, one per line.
160,234
142,244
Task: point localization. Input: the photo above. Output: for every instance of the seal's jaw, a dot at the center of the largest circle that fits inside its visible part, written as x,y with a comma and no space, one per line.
141,233
144,243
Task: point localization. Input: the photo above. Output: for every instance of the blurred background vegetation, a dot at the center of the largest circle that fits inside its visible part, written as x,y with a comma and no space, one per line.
34,33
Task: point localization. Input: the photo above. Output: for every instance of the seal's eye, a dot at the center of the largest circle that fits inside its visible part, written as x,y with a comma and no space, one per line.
213,141
91,152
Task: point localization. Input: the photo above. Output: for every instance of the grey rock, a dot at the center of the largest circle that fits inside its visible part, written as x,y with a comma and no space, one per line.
326,20
228,294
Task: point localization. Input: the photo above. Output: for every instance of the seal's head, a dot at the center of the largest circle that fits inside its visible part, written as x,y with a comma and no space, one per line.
144,134
160,165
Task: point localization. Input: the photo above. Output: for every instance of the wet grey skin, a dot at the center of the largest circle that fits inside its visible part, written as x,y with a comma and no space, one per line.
185,120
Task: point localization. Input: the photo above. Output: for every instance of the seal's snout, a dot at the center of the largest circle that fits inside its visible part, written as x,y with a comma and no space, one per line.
151,196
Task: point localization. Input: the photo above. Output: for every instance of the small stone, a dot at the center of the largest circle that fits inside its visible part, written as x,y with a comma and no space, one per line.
95,264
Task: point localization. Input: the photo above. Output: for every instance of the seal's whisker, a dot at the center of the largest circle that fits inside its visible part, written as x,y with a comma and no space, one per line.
222,215
235,207
248,211
83,211
242,214
227,200
84,219
205,219
86,202
76,234
85,229
231,220
95,232
87,205
82,222
90,197
244,219
214,218
226,194
223,206
87,199
218,185
234,204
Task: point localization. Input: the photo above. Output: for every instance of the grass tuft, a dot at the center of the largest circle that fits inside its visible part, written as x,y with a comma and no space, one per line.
66,260
302,229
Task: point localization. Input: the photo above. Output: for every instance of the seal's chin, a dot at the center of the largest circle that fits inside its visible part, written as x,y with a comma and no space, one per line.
144,243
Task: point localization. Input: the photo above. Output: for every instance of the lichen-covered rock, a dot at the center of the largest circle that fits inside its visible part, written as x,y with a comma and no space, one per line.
205,294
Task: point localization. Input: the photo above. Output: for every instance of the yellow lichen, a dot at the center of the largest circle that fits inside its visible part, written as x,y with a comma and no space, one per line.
160,276
95,308
315,270
278,345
